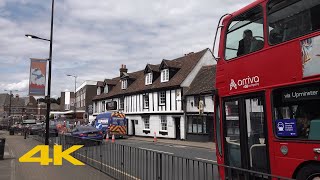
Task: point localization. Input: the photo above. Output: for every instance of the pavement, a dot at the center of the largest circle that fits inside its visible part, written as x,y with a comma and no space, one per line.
206,145
12,169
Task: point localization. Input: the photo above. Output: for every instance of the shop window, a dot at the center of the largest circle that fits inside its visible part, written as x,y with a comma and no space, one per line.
197,124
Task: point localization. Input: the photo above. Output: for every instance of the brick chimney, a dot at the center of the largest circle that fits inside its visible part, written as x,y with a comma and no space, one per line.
123,69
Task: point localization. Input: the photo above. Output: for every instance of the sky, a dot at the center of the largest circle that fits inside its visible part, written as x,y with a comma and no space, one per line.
92,38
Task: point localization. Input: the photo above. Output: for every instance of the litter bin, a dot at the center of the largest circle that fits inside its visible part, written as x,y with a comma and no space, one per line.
11,131
2,144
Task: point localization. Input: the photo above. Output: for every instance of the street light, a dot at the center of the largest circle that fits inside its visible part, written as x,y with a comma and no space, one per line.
10,94
35,37
75,87
49,73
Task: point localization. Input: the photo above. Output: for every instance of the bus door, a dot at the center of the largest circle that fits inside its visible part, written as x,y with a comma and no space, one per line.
245,134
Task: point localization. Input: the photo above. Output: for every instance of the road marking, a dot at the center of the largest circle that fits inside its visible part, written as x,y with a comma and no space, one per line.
206,160
130,176
13,165
156,151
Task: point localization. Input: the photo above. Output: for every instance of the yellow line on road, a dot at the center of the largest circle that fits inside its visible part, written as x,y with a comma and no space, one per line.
111,167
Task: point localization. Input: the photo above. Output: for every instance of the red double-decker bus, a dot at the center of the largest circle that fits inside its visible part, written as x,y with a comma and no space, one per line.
268,89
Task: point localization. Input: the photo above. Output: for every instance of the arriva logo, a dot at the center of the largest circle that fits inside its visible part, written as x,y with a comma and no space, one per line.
245,83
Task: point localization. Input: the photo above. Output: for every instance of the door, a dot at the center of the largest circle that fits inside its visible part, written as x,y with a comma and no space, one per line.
133,127
245,144
177,125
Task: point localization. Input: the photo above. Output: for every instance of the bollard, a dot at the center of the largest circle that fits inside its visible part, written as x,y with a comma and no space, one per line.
155,137
107,137
113,139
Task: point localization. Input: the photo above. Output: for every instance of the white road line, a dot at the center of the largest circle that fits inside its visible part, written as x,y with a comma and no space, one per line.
130,176
13,164
156,151
206,160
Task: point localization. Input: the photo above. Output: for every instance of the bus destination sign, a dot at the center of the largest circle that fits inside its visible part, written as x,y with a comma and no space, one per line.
301,94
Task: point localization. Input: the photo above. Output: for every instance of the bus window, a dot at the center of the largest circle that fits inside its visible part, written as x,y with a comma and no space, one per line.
288,19
296,113
245,34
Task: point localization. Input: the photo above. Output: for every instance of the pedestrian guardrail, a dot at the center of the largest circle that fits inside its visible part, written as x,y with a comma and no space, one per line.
124,162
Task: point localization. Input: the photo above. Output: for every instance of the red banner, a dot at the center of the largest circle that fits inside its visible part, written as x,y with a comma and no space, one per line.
37,81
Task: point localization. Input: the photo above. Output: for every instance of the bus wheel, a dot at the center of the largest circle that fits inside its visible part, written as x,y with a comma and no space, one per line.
309,172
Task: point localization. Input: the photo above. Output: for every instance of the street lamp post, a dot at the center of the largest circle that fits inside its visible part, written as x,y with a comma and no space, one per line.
49,73
10,94
75,97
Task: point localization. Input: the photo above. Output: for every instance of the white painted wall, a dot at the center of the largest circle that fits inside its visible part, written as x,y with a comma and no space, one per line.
155,126
209,104
207,59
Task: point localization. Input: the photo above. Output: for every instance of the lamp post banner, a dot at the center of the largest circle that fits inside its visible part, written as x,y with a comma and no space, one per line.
37,81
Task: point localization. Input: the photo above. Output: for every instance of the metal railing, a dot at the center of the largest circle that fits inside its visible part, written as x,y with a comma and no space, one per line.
125,163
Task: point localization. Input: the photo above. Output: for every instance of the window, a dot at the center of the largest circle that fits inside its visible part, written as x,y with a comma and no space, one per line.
146,101
121,103
296,112
164,123
105,89
103,106
165,75
162,98
98,90
291,19
124,84
146,123
148,79
95,107
197,100
197,124
245,34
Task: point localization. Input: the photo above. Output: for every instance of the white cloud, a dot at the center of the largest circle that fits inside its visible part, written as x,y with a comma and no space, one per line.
93,38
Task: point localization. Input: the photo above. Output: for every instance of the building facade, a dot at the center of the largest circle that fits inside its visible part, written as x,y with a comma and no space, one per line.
84,95
153,98
199,101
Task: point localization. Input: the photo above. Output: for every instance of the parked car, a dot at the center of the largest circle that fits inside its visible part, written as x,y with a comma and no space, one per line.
35,129
53,130
87,132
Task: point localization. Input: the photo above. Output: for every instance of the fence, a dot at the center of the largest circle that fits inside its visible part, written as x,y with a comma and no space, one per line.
126,163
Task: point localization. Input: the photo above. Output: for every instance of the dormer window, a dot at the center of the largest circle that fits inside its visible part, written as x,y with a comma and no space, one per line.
98,91
124,84
148,78
165,75
105,90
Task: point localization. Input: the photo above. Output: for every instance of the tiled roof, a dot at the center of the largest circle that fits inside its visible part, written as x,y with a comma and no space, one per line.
185,65
154,67
204,81
110,81
100,84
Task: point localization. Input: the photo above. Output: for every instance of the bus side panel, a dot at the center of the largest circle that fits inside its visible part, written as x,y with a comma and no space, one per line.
270,139
297,153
